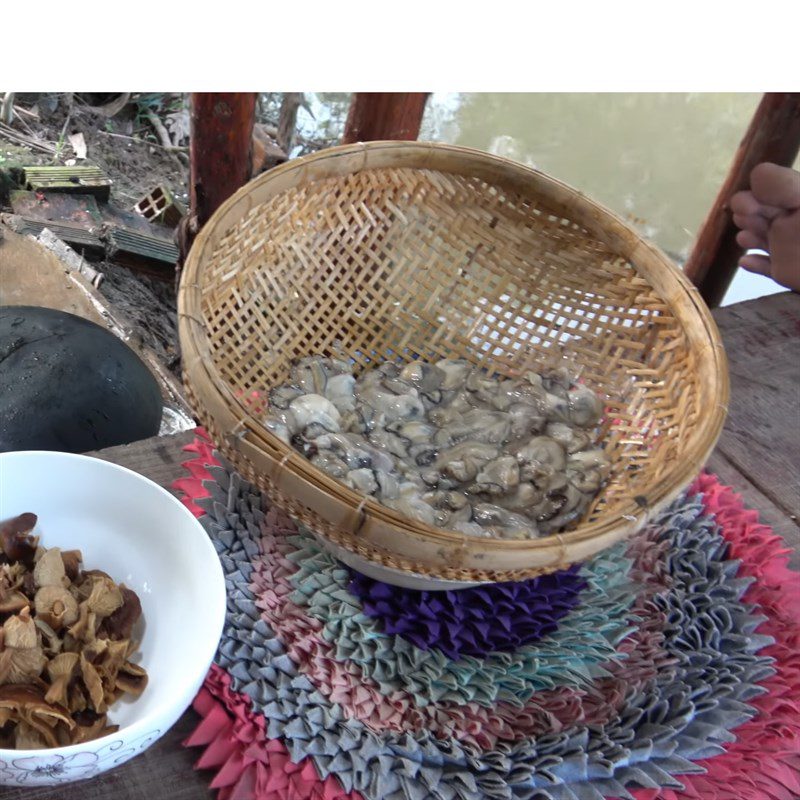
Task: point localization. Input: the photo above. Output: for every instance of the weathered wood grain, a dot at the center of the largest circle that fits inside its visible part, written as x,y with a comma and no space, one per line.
31,275
375,116
759,450
159,458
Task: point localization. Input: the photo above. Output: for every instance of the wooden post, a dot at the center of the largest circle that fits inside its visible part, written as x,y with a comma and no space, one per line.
221,139
219,154
384,115
773,135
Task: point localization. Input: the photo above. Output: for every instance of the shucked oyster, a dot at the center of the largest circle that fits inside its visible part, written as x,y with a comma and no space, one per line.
455,373
477,425
498,477
313,408
448,445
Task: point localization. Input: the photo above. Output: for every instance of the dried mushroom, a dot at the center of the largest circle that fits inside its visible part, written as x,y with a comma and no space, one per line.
50,570
72,563
12,588
65,643
93,684
17,542
105,597
51,642
19,632
13,601
132,678
22,658
56,606
26,737
26,704
119,625
60,671
91,726
115,655
84,629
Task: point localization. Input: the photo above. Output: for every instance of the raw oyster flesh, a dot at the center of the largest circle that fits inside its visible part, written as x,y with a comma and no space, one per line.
449,445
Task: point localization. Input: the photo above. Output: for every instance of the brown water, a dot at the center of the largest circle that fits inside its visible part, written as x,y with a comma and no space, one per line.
657,159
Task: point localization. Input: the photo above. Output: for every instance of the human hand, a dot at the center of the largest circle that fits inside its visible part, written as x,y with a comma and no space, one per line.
769,217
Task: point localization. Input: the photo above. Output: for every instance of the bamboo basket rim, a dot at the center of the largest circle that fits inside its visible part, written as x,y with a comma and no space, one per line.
601,223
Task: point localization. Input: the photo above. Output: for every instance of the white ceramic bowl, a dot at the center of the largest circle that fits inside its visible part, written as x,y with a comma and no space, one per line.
141,535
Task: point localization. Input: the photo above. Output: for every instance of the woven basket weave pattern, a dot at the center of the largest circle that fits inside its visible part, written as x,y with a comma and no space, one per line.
402,263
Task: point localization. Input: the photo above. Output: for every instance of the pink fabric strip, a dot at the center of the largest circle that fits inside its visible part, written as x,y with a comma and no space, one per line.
764,761
248,765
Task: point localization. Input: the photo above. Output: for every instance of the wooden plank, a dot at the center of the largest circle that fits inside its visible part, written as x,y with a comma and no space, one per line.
759,450
159,458
30,275
375,116
762,435
80,179
768,513
87,243
142,252
773,135
79,209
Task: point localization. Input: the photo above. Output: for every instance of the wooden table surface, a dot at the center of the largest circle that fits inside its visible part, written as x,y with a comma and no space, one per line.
758,454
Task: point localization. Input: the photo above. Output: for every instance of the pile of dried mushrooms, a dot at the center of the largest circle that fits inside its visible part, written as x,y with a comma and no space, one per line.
65,643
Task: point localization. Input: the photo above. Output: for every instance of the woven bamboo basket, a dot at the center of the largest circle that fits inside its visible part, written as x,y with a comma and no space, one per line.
392,250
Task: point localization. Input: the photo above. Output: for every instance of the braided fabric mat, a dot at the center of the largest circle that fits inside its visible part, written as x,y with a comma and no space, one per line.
667,667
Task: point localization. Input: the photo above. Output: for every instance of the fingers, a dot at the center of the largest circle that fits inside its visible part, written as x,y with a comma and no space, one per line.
746,204
748,240
784,250
776,186
754,223
758,264
769,219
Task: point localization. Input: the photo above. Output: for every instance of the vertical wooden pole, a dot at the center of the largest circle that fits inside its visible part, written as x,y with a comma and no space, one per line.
219,151
384,115
219,156
773,135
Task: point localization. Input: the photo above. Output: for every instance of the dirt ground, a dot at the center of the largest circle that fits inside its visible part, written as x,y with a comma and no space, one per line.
125,148
122,137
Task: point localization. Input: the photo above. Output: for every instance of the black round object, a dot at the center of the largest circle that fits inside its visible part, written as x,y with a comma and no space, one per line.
67,384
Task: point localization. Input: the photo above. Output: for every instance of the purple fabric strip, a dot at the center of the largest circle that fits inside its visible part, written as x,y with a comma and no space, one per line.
476,621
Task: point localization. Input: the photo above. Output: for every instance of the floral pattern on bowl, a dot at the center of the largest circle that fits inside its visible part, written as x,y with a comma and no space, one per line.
52,768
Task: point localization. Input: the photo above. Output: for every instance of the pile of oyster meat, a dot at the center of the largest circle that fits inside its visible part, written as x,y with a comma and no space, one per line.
448,445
